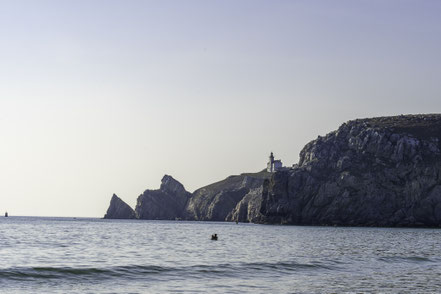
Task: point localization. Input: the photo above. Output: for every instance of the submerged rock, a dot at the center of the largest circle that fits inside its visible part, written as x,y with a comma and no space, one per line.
118,209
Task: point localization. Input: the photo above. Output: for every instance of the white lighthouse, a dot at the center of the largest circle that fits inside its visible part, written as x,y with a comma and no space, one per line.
273,165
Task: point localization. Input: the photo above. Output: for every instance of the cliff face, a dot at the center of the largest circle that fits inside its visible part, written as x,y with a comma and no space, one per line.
248,209
233,199
118,209
237,198
167,203
370,172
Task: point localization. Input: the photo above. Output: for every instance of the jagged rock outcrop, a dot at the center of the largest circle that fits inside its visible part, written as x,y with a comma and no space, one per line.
237,198
382,171
167,203
233,199
248,209
118,209
370,172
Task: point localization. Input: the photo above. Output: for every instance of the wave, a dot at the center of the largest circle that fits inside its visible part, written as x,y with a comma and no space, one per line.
156,272
412,259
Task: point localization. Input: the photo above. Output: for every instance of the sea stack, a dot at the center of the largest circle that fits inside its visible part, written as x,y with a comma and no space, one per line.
118,209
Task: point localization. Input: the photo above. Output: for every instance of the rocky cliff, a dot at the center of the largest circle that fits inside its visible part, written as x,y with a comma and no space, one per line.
167,203
237,198
370,172
118,209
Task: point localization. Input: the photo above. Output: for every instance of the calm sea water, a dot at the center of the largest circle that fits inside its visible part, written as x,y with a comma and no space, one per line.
65,255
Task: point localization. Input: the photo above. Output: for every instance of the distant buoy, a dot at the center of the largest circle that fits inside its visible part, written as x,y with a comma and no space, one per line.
214,237
6,214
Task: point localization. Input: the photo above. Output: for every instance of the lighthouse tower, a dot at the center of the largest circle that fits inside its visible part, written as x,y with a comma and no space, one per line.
273,165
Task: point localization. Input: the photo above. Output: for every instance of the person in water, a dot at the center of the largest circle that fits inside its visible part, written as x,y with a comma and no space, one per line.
214,237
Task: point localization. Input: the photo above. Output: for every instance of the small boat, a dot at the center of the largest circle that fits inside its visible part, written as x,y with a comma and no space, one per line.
6,214
214,237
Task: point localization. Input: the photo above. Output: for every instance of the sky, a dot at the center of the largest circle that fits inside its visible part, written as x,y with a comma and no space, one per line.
102,97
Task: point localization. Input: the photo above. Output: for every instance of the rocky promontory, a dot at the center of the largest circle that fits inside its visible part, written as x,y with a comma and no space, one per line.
370,172
381,171
237,198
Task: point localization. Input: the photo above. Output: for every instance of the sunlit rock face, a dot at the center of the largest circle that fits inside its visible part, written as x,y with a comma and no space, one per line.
370,172
118,209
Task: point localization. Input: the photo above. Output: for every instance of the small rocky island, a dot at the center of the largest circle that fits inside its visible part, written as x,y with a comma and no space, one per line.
381,171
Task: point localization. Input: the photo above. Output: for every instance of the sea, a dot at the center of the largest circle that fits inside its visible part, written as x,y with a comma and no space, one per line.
91,255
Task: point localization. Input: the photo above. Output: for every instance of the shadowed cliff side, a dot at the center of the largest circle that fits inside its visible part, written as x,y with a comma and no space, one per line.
237,198
232,199
167,203
370,172
383,171
118,209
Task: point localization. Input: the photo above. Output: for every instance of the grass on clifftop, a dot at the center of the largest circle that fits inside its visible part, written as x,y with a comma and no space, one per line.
235,180
422,126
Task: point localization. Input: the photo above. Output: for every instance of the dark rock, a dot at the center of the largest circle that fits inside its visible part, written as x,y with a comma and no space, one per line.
167,203
371,172
118,209
232,199
381,171
247,209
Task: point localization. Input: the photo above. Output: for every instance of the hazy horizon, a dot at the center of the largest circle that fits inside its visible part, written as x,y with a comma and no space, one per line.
102,97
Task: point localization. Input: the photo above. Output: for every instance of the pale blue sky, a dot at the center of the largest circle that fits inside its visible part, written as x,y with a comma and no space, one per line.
102,97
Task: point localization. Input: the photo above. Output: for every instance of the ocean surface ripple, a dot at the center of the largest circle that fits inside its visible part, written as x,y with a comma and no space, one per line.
69,255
